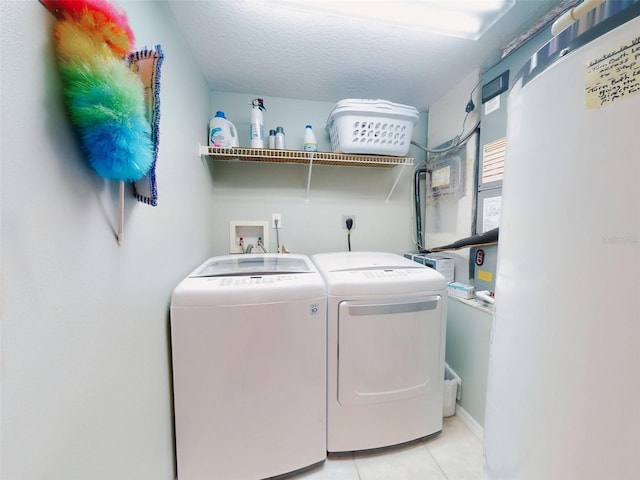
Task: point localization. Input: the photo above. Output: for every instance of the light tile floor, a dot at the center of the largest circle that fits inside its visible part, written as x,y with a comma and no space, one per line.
454,454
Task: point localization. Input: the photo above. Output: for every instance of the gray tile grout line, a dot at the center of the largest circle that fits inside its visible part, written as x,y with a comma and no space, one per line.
435,460
355,464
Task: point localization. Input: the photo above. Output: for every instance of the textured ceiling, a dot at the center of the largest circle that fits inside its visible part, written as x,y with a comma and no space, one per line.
264,48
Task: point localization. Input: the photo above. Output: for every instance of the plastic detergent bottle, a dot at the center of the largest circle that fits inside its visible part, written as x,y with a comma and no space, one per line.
309,142
279,137
222,133
257,124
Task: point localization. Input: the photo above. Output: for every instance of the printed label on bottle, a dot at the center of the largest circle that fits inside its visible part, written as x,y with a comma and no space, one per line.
216,138
257,131
310,147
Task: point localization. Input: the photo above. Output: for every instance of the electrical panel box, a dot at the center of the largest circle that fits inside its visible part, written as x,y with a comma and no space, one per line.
446,174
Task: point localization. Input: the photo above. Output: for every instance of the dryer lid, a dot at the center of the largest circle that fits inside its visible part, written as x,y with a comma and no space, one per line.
343,261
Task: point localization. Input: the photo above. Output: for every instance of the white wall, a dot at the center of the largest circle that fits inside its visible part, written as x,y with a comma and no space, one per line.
86,390
451,219
313,224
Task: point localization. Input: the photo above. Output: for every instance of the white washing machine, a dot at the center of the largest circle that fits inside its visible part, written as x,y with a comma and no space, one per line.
248,339
385,349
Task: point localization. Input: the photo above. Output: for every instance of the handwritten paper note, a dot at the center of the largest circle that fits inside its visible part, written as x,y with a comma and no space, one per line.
491,213
613,76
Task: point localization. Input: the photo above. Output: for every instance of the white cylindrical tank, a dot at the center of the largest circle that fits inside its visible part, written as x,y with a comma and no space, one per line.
564,365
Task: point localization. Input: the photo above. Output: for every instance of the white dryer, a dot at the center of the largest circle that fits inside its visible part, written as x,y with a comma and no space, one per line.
248,339
385,350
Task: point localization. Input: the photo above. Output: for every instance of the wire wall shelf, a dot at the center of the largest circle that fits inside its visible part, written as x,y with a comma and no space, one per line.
301,157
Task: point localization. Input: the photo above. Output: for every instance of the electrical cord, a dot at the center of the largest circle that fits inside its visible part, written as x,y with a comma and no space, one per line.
470,107
456,142
349,223
462,137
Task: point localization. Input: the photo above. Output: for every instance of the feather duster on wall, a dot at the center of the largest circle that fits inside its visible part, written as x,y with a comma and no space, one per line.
105,99
117,123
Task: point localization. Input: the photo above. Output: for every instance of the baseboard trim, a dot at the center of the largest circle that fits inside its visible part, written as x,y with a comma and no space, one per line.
470,422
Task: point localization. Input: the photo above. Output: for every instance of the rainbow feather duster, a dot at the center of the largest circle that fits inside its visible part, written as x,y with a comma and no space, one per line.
104,97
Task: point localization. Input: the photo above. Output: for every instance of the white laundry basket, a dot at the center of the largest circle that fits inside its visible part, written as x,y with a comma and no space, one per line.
374,127
452,388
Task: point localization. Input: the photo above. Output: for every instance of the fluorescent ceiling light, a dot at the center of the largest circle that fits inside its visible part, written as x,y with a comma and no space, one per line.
457,18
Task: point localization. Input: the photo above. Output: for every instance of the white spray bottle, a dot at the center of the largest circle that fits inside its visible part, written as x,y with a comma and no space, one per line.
257,124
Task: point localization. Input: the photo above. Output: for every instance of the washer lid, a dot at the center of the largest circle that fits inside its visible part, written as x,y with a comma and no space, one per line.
256,264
